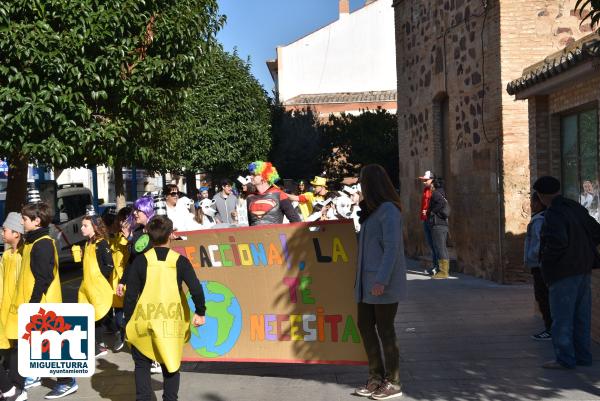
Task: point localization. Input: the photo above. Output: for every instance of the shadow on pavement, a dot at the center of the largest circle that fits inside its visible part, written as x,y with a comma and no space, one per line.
460,339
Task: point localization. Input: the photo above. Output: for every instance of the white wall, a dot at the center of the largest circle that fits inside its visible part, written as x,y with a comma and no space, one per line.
353,54
84,176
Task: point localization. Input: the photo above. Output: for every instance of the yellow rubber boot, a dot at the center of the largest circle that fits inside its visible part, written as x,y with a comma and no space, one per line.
444,268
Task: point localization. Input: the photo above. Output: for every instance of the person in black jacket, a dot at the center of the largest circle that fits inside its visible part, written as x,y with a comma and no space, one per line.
438,223
568,253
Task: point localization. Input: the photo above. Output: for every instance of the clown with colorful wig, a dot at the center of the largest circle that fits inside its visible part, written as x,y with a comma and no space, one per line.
269,204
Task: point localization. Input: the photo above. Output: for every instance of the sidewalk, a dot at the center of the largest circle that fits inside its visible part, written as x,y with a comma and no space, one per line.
460,339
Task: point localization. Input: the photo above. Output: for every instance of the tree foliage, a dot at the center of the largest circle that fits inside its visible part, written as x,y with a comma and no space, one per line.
79,73
297,143
81,81
590,9
353,141
223,123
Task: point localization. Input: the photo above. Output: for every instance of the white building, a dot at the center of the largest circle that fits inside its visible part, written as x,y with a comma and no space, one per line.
348,65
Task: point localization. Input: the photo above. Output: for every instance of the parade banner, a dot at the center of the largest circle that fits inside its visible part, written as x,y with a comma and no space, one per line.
278,293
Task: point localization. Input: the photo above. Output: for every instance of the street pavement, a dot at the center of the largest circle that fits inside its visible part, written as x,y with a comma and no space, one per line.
460,339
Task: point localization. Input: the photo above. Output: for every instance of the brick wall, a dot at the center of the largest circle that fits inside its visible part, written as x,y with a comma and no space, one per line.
460,49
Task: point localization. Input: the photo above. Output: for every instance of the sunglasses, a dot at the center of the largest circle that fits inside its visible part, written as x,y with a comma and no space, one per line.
174,193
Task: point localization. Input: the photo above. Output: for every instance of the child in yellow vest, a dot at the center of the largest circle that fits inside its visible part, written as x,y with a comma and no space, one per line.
118,241
10,268
38,282
98,265
154,284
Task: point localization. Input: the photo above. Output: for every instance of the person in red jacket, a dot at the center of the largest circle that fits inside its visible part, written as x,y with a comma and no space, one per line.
427,180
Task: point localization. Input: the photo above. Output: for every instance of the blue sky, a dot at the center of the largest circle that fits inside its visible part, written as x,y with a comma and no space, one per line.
257,27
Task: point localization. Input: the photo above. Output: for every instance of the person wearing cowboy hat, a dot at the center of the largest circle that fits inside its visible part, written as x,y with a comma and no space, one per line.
308,199
427,180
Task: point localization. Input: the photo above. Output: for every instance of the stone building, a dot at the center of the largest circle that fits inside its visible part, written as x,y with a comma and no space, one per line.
454,59
563,95
345,66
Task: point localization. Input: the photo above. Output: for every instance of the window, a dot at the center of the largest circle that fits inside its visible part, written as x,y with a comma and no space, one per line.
579,158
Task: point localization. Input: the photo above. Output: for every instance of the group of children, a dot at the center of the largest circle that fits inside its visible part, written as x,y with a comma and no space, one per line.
127,269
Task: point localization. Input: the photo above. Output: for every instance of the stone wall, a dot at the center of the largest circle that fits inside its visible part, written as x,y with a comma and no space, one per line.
467,51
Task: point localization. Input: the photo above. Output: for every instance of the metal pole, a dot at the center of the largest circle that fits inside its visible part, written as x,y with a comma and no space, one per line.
95,186
133,184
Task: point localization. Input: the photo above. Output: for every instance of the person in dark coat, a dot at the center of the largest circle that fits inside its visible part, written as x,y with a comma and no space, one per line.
438,223
569,239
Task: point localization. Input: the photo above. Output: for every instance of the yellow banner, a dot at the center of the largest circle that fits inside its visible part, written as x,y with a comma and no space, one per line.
280,293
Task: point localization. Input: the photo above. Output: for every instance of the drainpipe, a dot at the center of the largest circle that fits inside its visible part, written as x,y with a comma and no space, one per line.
500,198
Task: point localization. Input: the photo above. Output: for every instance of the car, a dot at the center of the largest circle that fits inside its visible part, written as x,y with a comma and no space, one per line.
70,204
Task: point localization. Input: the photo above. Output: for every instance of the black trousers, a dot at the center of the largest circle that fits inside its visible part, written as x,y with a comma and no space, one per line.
376,322
14,378
540,291
143,382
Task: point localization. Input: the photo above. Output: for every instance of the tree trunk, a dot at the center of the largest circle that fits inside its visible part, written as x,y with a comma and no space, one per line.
190,183
119,187
16,190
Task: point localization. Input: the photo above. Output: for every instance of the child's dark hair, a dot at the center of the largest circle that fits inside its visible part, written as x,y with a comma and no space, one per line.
41,210
100,231
124,213
159,229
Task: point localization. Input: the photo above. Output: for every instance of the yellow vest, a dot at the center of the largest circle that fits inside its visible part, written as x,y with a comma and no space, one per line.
25,285
94,289
160,324
306,208
11,268
120,254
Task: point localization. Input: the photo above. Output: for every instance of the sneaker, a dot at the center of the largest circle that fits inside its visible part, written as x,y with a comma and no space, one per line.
155,368
62,390
432,271
31,382
543,336
19,395
101,351
368,388
118,344
386,391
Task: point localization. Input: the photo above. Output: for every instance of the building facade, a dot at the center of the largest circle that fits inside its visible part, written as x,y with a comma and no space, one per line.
346,66
454,60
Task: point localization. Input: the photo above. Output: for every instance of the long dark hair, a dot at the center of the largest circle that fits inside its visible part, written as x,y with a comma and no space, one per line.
100,231
377,188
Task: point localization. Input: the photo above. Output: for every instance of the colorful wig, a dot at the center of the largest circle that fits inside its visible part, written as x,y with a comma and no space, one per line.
265,170
144,204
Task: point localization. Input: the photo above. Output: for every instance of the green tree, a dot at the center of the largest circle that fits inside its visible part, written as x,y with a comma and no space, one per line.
297,142
590,9
356,140
223,123
81,81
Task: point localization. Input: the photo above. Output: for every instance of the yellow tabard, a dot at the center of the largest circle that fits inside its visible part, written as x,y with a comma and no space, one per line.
94,289
25,285
160,324
120,254
11,268
306,208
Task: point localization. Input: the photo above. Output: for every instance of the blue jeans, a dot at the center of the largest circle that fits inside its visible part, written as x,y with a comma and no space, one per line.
571,310
429,239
